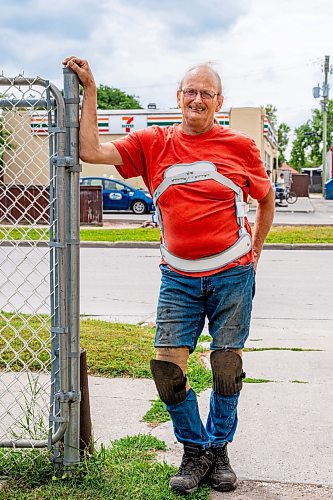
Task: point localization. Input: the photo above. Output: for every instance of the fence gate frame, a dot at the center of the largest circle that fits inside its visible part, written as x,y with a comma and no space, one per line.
64,243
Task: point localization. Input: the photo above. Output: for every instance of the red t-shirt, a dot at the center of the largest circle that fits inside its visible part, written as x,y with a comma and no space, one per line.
198,218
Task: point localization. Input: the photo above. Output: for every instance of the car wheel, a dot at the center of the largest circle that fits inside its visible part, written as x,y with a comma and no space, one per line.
139,207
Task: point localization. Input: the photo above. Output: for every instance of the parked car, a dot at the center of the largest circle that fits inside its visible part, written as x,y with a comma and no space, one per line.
120,196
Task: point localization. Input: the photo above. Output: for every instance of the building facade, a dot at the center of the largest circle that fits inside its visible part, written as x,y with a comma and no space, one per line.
30,164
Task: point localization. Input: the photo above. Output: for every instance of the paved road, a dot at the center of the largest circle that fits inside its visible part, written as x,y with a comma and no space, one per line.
313,210
122,284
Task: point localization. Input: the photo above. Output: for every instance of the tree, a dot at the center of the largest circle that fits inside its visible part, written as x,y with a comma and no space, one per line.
299,156
282,131
271,111
2,141
283,140
113,98
4,145
307,147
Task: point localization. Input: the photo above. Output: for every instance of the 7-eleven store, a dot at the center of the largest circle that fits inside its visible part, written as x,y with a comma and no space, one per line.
117,123
251,121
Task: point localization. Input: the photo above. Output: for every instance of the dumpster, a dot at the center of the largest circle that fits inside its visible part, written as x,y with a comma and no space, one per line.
328,193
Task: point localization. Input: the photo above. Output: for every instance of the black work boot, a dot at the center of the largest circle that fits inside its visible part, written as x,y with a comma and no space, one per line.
195,466
222,477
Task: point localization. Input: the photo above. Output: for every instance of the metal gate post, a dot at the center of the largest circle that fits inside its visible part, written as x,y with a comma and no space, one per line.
71,98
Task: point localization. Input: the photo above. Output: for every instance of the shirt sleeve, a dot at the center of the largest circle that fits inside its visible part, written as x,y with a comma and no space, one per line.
259,182
132,149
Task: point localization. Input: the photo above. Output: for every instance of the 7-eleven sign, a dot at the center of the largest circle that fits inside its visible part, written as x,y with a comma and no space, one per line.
124,124
127,123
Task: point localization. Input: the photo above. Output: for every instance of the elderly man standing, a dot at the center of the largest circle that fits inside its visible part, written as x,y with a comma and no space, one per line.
200,175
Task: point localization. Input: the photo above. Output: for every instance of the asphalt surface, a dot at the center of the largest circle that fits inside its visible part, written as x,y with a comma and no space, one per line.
306,211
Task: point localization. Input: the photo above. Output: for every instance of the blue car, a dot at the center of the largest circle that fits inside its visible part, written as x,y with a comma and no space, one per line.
120,196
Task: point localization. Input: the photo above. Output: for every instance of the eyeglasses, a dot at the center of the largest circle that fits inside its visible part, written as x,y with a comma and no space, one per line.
205,94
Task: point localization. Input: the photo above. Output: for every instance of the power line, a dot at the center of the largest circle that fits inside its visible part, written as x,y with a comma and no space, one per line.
258,71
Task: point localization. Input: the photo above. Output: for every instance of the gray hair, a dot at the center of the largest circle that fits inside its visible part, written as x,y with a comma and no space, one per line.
209,67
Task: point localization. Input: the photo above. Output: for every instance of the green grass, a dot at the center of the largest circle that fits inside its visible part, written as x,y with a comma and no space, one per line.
200,379
277,234
257,380
42,233
205,338
24,233
299,382
117,349
18,333
300,234
125,471
137,234
113,349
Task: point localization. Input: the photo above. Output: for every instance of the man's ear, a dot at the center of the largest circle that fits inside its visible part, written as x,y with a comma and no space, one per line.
178,98
219,103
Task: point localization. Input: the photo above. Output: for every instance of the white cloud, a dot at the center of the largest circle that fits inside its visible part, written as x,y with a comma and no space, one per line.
267,52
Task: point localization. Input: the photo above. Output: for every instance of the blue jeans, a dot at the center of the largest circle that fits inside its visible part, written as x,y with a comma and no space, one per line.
184,303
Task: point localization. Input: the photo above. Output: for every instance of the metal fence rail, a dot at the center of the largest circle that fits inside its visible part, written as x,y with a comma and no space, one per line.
39,273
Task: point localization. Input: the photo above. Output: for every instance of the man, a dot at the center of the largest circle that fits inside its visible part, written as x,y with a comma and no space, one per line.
199,174
281,187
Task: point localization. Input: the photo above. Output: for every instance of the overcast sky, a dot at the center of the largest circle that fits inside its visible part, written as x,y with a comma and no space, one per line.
267,51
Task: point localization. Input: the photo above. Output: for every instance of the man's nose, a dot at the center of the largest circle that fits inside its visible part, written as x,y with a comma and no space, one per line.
198,97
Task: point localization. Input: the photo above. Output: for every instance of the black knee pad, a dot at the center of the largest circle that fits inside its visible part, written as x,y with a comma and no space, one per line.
227,372
169,380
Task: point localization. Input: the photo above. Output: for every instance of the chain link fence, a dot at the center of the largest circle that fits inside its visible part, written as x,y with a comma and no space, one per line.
39,273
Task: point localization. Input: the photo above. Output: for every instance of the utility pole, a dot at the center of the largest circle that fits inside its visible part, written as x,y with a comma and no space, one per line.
324,104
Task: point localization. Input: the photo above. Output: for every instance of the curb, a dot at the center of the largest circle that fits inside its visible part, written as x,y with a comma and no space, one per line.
298,246
120,244
156,245
265,489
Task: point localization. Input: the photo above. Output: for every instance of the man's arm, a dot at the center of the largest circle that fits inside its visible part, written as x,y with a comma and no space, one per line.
263,223
91,150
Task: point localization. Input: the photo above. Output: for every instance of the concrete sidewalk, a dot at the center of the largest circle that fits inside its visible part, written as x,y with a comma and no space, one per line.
304,205
301,206
283,447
